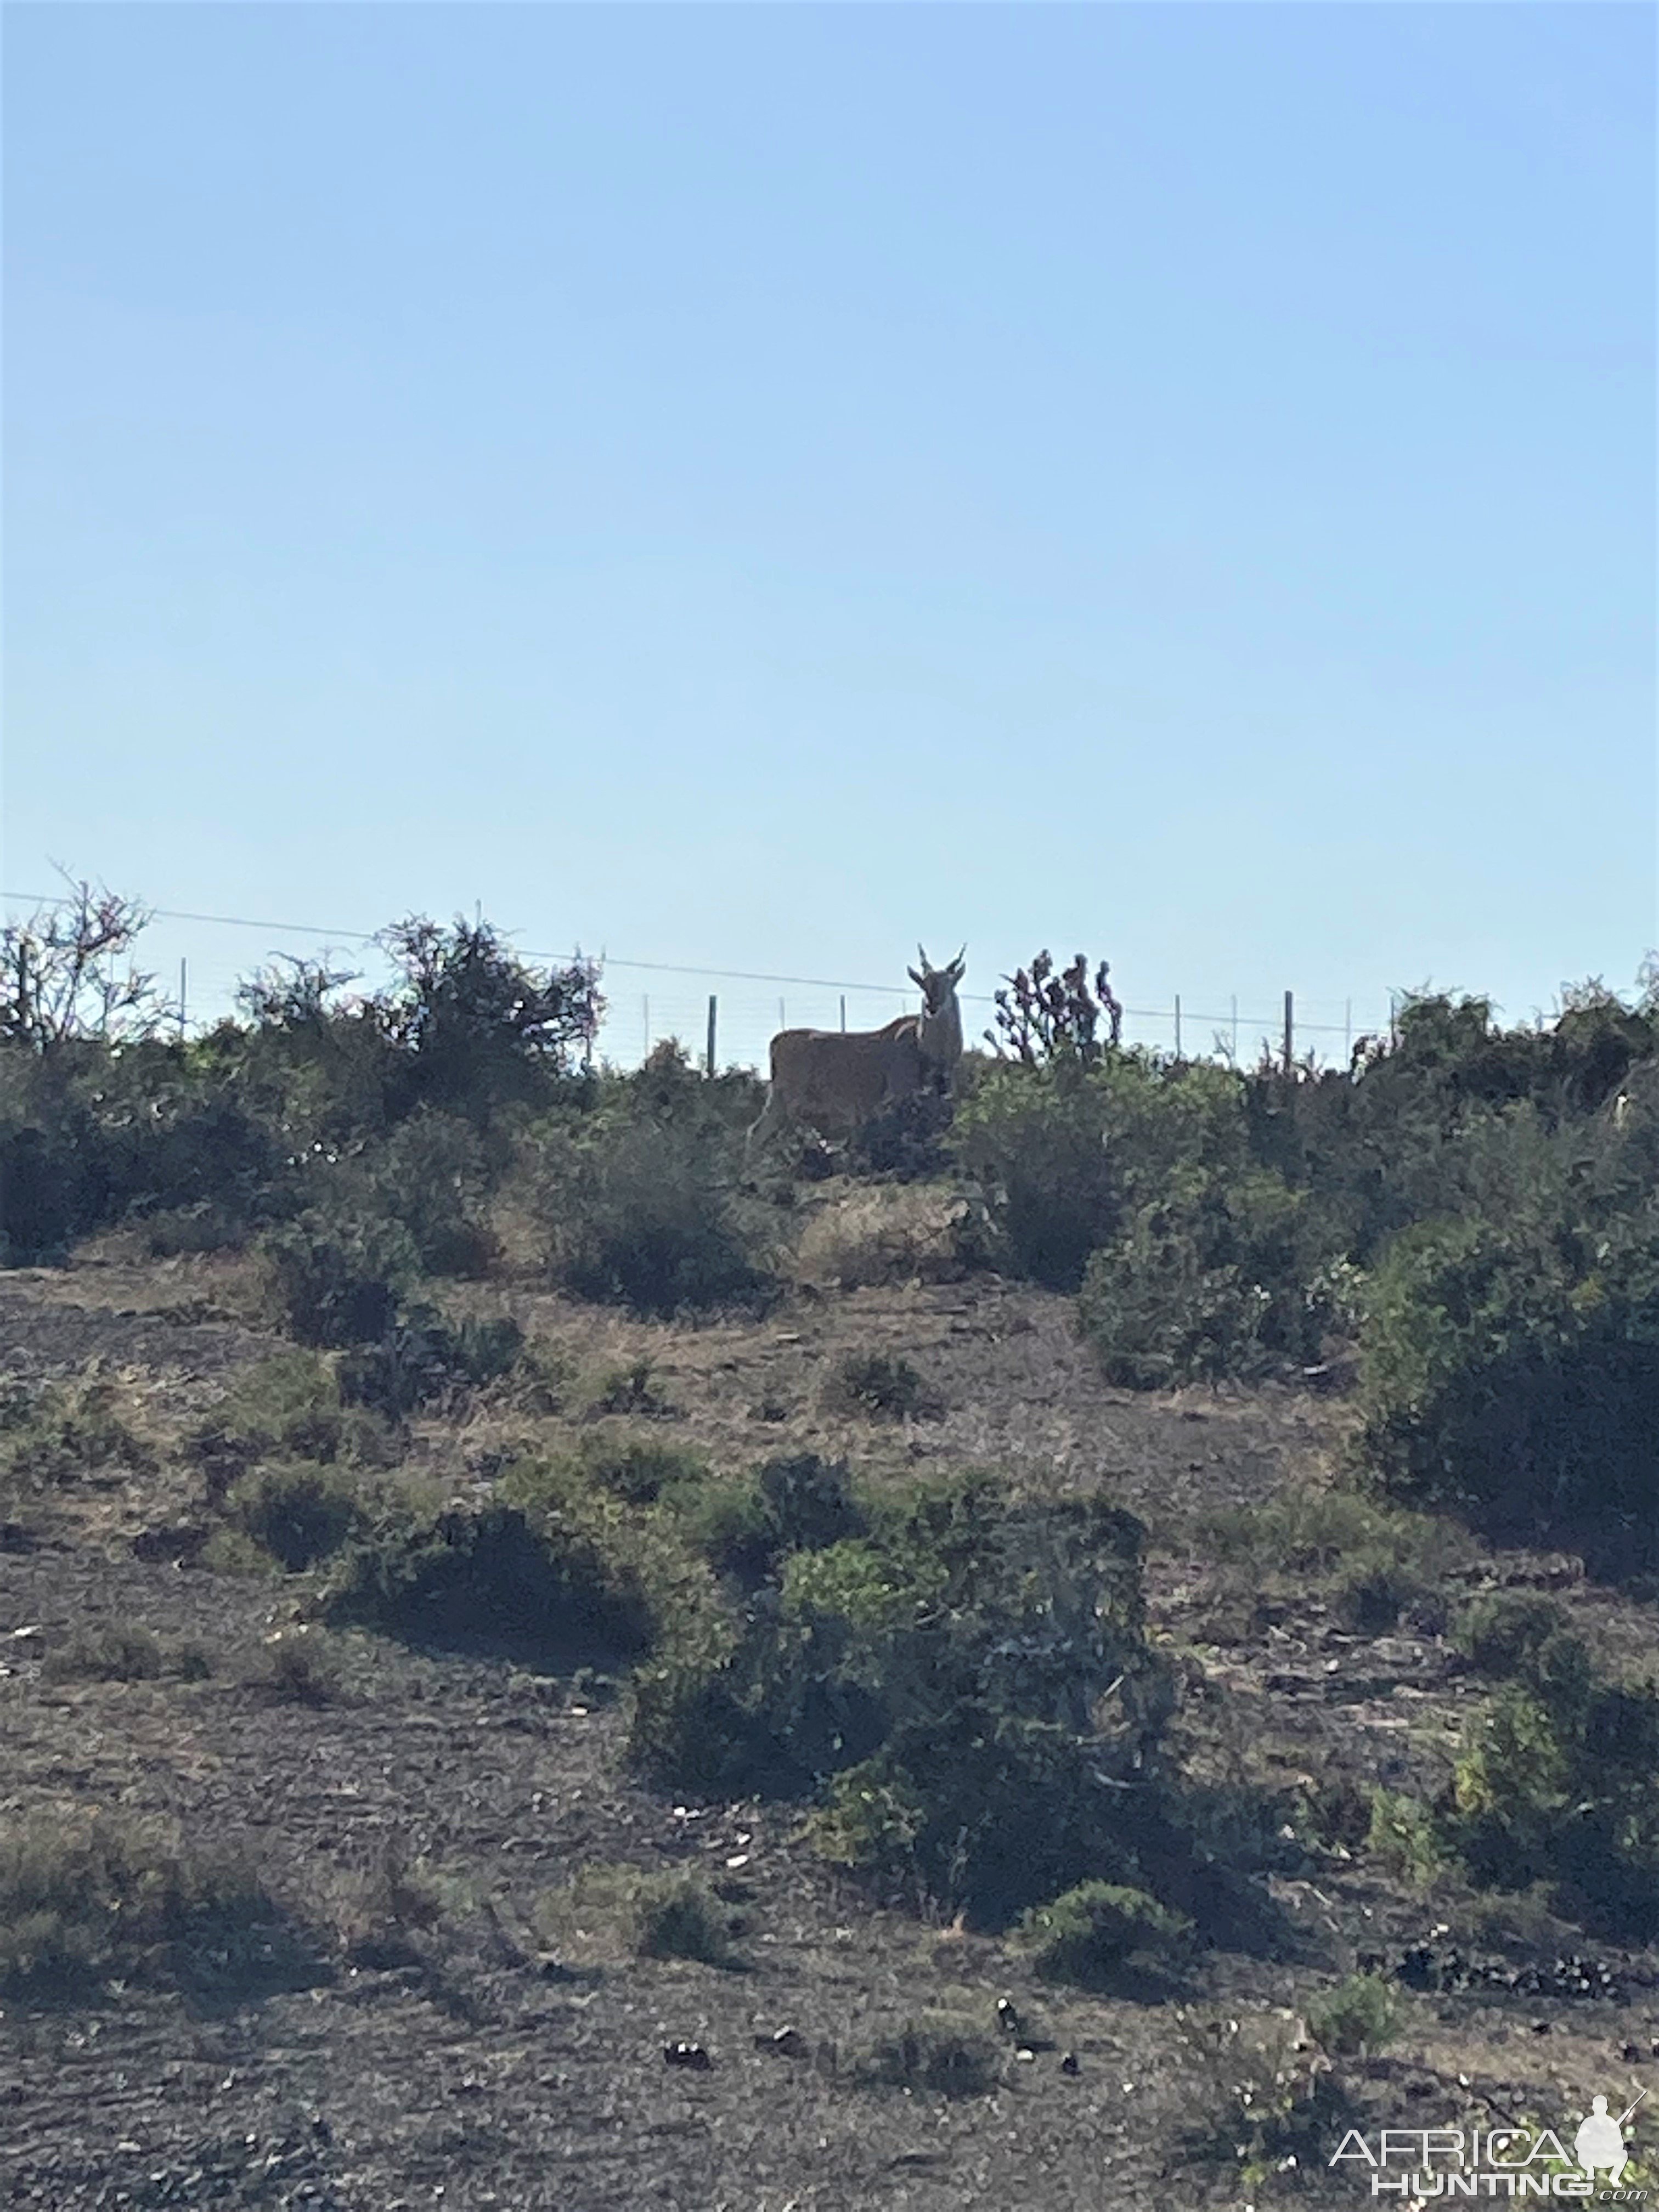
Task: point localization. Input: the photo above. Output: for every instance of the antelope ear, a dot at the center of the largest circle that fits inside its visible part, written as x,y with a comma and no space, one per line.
916,979
958,967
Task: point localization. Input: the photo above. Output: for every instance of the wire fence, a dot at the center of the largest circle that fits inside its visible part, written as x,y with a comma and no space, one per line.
200,959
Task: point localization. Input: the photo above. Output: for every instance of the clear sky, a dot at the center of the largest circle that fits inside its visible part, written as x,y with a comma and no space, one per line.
750,486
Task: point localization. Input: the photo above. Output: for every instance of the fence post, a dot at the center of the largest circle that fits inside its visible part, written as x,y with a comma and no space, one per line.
1177,1024
843,1013
1235,1025
182,1000
783,1018
710,1069
1290,1033
1348,1030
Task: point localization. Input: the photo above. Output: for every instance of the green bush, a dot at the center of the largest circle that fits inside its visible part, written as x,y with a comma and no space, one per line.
55,1434
1090,1934
422,1360
336,1281
82,1898
638,1469
644,1214
932,1679
1511,1367
1207,1280
882,1385
1559,1782
433,1175
1503,1632
1360,2016
799,1503
300,1513
286,1408
1404,1837
1069,1153
493,1577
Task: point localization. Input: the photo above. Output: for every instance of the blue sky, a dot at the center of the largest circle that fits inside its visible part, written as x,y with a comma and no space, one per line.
751,486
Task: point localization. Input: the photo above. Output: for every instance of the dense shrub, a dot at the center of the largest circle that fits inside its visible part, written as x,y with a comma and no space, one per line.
1068,1153
1360,2015
1207,1280
499,1576
933,1676
638,1469
421,1359
644,1214
1089,1934
1559,1782
287,1407
797,1503
299,1514
881,1385
1512,1368
337,1281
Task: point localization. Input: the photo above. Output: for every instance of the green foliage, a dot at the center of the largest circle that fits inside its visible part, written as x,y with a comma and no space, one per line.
1207,1280
932,1679
287,1407
1360,2016
944,2054
1068,1153
640,1207
1404,1837
299,1513
878,1384
53,1435
537,1580
432,1176
1091,1933
337,1281
1511,1367
1559,1782
82,1898
1504,1631
799,1503
473,1025
638,1469
421,1359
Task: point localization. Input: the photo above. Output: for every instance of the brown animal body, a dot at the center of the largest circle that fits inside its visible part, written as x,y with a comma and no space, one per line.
835,1080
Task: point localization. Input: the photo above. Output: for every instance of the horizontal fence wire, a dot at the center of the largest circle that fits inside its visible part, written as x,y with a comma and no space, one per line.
200,959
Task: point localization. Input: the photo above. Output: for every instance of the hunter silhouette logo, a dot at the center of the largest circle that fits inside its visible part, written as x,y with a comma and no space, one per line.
1600,2142
1421,2164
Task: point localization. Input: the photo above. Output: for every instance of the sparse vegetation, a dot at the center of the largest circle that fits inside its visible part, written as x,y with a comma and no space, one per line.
643,1915
879,1385
945,2054
82,1898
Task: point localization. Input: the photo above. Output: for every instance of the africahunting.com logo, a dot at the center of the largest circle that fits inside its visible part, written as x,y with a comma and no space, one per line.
1423,2165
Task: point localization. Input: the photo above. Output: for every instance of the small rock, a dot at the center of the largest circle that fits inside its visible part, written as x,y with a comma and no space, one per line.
1069,2064
687,2054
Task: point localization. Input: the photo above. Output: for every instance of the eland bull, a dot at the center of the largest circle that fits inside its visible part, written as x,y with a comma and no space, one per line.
835,1080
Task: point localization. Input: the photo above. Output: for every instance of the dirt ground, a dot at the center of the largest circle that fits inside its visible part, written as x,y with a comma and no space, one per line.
483,2066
